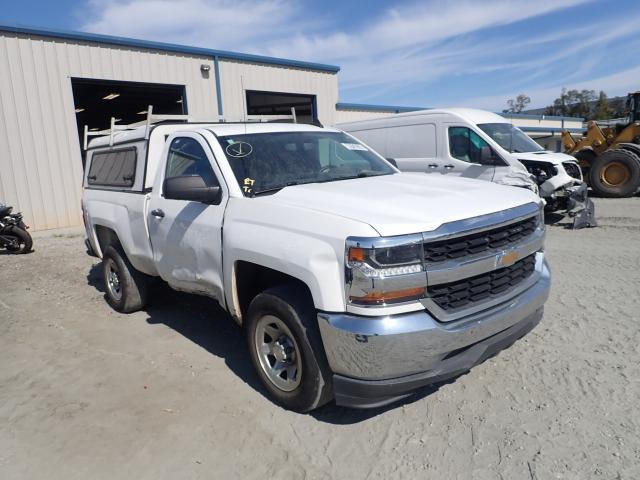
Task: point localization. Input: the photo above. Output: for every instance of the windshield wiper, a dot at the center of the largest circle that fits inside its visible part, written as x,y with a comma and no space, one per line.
361,174
273,189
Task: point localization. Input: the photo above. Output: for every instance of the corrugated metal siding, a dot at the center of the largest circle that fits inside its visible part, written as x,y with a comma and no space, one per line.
343,116
275,79
40,159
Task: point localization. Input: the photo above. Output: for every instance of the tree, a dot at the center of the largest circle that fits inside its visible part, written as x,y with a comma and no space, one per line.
517,105
572,103
603,109
618,107
559,106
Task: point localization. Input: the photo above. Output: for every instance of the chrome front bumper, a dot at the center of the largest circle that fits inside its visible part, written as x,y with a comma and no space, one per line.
370,351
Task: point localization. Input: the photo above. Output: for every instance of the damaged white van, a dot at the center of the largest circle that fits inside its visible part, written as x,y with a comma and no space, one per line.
476,144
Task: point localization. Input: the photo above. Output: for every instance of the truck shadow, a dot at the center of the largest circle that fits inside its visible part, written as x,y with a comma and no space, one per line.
205,323
199,319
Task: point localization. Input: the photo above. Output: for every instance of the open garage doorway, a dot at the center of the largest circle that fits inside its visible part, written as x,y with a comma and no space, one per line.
275,103
96,101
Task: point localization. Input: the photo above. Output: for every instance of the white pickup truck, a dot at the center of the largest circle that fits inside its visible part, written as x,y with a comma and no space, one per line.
353,281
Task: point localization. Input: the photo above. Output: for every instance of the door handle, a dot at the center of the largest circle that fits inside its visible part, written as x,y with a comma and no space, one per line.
433,165
157,213
449,166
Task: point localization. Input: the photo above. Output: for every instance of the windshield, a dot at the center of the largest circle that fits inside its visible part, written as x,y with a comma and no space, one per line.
511,138
268,162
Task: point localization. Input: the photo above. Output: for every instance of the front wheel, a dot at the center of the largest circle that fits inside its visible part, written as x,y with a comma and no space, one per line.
17,241
286,349
615,173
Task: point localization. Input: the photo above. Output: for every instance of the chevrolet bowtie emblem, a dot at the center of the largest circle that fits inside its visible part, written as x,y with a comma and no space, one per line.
506,259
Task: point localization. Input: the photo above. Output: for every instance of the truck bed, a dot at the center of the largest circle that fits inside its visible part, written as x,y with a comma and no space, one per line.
124,212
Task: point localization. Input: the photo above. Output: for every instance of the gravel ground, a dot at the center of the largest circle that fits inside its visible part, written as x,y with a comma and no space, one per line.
86,393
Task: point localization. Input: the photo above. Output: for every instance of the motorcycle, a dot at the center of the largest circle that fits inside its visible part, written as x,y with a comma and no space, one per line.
14,237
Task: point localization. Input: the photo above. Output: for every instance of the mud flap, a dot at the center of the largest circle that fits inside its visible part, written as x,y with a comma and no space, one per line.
581,208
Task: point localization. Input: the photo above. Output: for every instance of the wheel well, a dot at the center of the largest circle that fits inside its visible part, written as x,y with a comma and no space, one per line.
252,279
106,236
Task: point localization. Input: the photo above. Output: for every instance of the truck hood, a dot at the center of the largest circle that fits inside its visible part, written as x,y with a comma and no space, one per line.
406,202
550,157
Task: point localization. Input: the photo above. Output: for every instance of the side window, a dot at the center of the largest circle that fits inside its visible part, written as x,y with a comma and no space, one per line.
187,157
115,168
465,144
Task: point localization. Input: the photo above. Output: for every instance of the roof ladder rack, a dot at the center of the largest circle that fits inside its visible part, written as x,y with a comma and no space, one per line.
147,123
266,118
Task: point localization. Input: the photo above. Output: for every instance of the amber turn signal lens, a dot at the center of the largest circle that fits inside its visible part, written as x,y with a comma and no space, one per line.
356,254
379,298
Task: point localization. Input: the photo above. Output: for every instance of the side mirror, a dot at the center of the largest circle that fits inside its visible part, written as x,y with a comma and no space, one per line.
191,187
393,162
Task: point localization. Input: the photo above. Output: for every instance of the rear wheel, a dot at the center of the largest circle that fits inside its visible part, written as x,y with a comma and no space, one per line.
20,240
615,173
125,287
286,349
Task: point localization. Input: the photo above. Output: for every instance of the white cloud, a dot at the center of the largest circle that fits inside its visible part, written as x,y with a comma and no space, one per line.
224,24
277,26
407,47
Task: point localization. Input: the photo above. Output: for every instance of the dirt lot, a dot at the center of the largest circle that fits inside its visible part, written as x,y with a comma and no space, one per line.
86,393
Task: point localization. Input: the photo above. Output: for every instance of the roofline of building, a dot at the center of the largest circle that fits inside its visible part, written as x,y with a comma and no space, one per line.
550,129
376,108
171,47
541,117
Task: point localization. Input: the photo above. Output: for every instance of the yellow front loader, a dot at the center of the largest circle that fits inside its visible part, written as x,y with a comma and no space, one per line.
610,156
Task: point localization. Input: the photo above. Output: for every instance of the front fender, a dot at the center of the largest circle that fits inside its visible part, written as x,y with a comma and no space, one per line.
308,246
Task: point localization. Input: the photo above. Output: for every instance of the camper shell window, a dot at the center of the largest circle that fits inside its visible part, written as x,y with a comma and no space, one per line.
113,168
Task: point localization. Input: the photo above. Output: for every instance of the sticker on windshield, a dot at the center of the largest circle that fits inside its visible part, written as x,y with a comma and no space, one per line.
354,146
248,184
239,149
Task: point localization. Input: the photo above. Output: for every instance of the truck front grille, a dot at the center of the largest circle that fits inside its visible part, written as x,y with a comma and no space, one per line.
475,243
467,292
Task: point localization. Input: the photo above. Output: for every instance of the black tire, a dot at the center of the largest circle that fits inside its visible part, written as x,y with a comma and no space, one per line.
626,161
23,241
292,305
132,283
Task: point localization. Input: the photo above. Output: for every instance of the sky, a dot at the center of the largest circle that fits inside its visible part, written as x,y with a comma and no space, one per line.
429,53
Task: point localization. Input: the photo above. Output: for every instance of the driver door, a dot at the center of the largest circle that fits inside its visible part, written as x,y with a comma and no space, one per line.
186,236
463,154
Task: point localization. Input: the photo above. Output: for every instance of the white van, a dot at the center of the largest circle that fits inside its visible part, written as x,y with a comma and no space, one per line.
475,144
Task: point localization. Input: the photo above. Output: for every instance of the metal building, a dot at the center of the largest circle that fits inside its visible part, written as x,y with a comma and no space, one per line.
52,82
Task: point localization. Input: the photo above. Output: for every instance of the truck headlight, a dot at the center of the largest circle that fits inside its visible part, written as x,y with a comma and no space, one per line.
541,224
384,270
